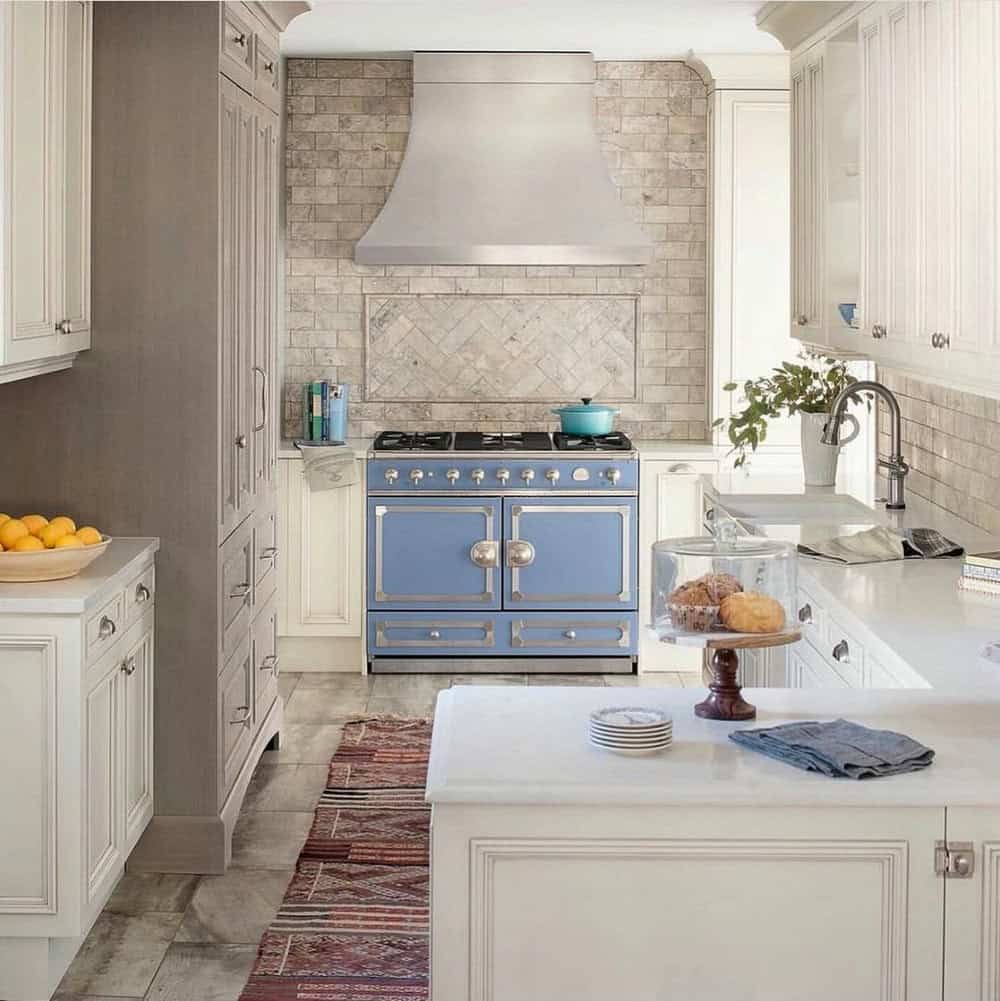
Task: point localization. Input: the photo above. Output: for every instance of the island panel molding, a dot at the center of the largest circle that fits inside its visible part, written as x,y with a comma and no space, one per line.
492,349
990,989
487,855
29,886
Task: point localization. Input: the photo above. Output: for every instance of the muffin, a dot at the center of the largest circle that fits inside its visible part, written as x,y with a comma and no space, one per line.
693,607
750,612
720,586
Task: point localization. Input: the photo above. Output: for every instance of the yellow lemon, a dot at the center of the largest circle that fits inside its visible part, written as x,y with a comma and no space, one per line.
12,530
28,543
35,522
50,534
68,524
88,535
68,542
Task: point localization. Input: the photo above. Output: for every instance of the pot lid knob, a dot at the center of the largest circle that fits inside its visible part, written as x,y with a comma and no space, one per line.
586,400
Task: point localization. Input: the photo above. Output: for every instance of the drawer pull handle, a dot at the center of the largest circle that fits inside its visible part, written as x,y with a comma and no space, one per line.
241,591
128,666
141,594
878,331
842,652
240,40
106,627
242,716
435,634
485,554
806,614
570,634
269,66
271,553
681,467
64,327
270,663
241,441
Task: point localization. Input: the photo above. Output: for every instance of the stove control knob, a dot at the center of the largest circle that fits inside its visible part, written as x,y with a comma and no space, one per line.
452,475
391,475
552,475
416,475
527,475
614,475
477,475
503,475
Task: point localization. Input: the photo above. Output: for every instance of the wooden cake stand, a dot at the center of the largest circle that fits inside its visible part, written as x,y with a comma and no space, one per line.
725,700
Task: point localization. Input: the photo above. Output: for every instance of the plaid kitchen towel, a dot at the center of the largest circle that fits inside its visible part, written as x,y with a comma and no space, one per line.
840,749
880,545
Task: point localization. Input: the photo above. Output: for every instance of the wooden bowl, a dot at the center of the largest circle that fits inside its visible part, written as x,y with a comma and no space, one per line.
49,564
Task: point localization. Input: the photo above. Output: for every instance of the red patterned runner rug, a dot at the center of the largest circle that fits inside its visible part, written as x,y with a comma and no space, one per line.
355,921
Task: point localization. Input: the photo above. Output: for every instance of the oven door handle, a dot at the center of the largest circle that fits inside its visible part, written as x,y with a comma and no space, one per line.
485,553
520,553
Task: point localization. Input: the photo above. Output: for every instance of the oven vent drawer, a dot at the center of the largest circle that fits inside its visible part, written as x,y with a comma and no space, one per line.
525,634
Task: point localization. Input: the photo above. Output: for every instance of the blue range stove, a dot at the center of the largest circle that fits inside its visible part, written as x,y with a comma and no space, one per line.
512,552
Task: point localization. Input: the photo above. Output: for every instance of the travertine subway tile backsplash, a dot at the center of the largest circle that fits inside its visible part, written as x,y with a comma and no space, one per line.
951,440
347,129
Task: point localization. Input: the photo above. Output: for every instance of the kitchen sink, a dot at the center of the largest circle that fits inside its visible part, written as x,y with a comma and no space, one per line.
787,509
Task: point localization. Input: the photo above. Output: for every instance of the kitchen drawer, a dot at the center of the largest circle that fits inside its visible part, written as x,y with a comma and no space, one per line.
236,588
236,45
409,633
264,638
104,627
812,620
876,676
573,634
139,595
267,79
236,712
845,654
265,546
807,669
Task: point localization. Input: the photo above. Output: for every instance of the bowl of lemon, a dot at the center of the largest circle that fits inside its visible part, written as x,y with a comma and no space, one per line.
34,548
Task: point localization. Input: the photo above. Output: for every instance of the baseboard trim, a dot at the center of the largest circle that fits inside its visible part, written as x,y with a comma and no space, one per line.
322,653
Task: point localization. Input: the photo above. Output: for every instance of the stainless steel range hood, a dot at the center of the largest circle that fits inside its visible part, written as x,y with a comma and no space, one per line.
503,166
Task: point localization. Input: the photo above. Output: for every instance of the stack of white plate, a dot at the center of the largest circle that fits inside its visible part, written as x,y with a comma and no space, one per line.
631,730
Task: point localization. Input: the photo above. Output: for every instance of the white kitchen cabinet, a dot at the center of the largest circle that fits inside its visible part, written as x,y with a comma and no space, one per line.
670,506
76,736
45,138
322,590
925,162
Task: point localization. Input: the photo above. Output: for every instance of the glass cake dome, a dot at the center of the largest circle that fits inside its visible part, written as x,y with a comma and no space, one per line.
712,585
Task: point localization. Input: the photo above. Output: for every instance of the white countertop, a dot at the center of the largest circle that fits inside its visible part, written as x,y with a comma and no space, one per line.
912,607
516,745
123,557
288,450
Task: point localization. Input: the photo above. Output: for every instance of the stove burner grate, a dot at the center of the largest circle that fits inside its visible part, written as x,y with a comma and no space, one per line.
508,441
418,441
613,442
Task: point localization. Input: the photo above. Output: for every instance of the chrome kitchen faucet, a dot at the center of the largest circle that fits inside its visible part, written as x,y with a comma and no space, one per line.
894,464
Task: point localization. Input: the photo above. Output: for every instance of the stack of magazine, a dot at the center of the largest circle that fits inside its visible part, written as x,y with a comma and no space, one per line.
981,573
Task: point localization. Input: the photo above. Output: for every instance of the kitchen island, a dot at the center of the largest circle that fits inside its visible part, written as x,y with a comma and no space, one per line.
560,870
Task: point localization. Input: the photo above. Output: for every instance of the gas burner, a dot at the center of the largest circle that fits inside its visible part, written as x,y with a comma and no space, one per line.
510,441
613,442
418,441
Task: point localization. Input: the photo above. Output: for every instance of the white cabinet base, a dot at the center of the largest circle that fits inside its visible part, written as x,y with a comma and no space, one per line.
31,968
344,654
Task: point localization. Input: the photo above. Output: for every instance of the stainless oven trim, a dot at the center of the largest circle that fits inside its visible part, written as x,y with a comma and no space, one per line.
383,625
518,626
624,513
498,492
381,510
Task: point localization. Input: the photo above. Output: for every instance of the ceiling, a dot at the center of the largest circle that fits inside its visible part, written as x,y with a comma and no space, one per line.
611,29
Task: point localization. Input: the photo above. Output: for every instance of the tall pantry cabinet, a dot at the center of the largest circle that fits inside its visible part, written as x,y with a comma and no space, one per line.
167,426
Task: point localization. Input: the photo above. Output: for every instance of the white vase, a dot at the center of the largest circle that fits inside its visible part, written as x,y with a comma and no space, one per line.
819,460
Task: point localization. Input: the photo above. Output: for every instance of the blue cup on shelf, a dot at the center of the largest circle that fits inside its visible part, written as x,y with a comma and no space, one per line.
848,312
338,412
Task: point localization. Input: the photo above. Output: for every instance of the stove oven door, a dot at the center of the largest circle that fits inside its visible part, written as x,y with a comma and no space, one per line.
570,552
434,552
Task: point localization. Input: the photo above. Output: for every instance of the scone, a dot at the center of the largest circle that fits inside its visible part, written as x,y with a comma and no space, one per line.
750,612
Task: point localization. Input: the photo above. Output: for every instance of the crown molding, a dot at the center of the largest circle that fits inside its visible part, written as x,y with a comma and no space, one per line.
793,23
278,14
741,71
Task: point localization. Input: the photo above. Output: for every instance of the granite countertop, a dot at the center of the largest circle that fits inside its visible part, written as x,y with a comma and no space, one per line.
123,558
911,608
514,745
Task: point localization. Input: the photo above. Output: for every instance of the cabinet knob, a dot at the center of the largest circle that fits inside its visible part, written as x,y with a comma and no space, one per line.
269,66
241,717
106,627
878,331
241,441
801,320
141,594
64,327
435,634
806,614
842,652
570,634
128,666
940,341
241,40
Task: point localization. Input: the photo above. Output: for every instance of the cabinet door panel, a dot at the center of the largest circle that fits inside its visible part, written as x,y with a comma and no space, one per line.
236,710
102,736
137,727
36,195
873,182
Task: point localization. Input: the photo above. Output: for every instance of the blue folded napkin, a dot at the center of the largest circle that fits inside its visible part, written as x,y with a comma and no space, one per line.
840,749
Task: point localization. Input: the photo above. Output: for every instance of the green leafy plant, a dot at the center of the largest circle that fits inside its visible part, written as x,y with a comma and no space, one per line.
809,387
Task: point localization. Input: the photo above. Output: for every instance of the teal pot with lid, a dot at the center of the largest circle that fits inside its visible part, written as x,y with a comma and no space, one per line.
586,418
